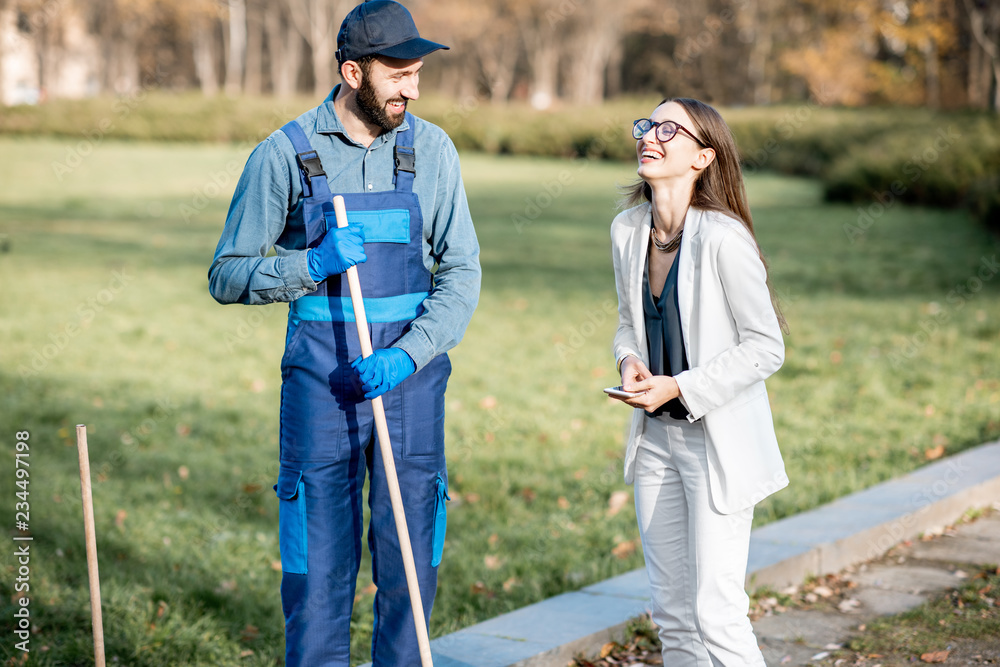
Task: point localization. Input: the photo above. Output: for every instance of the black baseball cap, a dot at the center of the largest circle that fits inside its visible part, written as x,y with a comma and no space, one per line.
384,28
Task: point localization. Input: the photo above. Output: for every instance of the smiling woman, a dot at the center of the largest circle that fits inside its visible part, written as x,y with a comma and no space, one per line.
697,335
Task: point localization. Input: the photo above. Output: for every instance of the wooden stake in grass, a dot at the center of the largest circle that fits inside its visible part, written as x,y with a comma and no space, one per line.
91,536
382,428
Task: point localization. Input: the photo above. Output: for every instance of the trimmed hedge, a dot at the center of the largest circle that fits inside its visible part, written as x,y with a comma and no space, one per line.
916,155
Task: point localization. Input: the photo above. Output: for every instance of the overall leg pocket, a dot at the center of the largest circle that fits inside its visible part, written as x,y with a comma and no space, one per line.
292,532
440,520
422,409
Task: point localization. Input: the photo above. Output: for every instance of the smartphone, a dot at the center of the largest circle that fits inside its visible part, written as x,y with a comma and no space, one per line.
618,392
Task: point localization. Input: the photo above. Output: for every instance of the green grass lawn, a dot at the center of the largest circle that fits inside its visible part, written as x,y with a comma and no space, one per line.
106,320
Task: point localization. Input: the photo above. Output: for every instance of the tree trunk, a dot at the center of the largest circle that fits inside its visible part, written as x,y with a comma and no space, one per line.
980,23
760,53
996,86
543,62
127,68
540,23
237,51
204,56
6,17
932,69
106,20
597,33
974,81
616,59
284,45
322,49
497,55
255,45
318,21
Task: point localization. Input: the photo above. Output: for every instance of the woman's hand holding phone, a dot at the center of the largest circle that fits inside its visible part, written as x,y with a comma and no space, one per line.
651,391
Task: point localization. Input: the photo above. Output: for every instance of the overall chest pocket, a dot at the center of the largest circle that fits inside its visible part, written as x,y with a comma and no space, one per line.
384,226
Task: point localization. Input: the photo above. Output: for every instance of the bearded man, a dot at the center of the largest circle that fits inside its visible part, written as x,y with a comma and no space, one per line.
411,236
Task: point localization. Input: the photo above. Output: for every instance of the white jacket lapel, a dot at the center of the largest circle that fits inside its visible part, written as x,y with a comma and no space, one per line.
636,271
685,275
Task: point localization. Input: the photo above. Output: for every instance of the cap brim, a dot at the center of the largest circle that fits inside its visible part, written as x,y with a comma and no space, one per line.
411,49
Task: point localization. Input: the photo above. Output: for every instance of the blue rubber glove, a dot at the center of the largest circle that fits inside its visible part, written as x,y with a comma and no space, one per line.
340,249
383,370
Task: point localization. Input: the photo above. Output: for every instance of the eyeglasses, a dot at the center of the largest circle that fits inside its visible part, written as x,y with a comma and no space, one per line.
665,131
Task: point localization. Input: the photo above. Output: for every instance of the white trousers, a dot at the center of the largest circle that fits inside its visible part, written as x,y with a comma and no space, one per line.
696,558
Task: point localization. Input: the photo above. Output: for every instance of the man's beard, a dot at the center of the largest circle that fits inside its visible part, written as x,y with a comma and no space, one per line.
374,109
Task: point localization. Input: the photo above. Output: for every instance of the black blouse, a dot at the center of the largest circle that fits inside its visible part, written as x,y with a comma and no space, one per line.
664,338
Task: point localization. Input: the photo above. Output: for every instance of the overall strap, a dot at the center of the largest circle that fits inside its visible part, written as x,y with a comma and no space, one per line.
314,183
405,157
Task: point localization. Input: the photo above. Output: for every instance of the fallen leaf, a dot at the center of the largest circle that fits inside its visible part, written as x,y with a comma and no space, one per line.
120,519
488,402
848,605
257,386
510,583
493,539
528,494
183,472
935,656
624,549
563,503
471,498
934,453
250,633
607,649
822,591
370,589
478,588
492,562
617,502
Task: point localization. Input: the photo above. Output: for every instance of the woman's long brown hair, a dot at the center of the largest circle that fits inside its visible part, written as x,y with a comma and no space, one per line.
719,186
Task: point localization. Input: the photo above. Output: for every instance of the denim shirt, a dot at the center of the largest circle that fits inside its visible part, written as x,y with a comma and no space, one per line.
266,212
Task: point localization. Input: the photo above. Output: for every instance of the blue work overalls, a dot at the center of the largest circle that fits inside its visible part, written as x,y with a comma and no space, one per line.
327,431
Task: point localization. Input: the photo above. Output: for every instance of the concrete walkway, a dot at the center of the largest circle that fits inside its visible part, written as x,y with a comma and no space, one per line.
858,528
909,575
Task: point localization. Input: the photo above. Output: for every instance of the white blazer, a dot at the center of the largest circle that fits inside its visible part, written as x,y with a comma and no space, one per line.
732,340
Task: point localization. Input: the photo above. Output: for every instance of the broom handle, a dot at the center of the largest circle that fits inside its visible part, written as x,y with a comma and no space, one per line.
385,446
91,536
